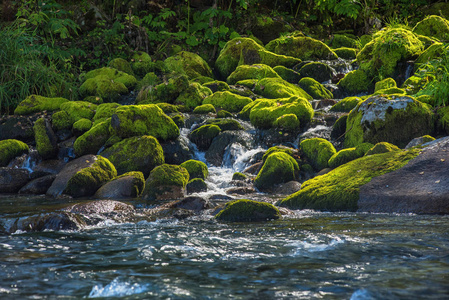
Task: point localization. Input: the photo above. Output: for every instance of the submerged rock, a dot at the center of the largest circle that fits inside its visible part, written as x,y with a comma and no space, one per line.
166,182
38,186
248,211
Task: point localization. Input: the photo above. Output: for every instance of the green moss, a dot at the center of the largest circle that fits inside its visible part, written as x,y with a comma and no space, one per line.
443,118
319,71
318,151
274,149
81,126
188,63
93,99
150,79
248,211
91,141
227,100
138,182
279,167
104,111
414,84
11,148
382,147
196,185
103,87
346,53
390,91
275,88
365,39
433,26
246,110
304,48
121,65
204,109
87,181
256,71
142,153
315,89
45,145
114,75
178,118
204,135
224,114
340,40
355,82
168,108
167,91
193,96
385,84
346,104
196,169
164,177
339,189
201,79
35,103
216,86
136,120
363,148
434,51
343,156
226,124
238,176
78,110
142,63
287,74
61,120
287,122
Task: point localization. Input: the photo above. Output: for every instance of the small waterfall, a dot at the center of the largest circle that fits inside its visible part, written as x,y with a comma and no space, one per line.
26,161
409,70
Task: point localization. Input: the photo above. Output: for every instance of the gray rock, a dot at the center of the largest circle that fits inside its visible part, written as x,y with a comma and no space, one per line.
12,179
287,188
38,186
121,188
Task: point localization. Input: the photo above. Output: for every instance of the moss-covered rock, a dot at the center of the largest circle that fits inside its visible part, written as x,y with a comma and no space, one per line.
216,86
414,84
393,119
35,103
204,135
339,128
61,120
81,126
317,151
385,84
94,100
391,91
167,91
248,211
188,63
341,40
274,88
168,108
287,74
256,71
77,110
179,119
355,82
339,189
443,118
128,185
114,75
315,89
227,100
196,185
432,52
142,63
11,148
91,141
226,124
290,151
150,79
380,57
166,182
279,167
239,176
287,122
319,71
137,120
121,65
346,104
265,112
193,96
88,180
139,153
346,53
382,147
343,156
433,26
224,114
241,51
266,29
46,141
196,169
104,111
204,109
103,87
304,48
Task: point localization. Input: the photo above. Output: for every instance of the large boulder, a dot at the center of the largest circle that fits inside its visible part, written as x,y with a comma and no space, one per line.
274,88
34,103
137,120
193,96
196,169
91,141
82,176
433,26
166,182
10,149
113,75
318,151
139,153
128,185
204,135
304,48
228,101
256,71
393,119
102,86
167,91
248,211
279,167
355,82
188,63
315,89
12,179
46,140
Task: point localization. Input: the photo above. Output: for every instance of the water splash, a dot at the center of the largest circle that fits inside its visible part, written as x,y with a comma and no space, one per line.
117,288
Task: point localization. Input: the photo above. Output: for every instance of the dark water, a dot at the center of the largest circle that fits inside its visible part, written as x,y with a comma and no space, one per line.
306,256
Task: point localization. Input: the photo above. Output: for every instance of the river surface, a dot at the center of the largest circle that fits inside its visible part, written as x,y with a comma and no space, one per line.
308,255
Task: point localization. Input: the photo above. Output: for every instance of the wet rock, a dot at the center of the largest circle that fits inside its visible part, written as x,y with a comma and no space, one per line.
279,167
254,169
46,140
287,188
419,141
12,179
248,211
244,190
177,151
51,221
100,207
191,203
18,127
38,186
196,185
166,182
48,167
9,149
128,185
216,151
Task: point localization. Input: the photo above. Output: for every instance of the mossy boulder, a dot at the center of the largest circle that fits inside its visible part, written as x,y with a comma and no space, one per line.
248,211
94,99
355,82
188,63
279,167
77,110
139,153
287,74
103,87
196,185
266,112
304,48
290,151
61,120
81,126
168,108
385,84
104,111
414,84
391,91
287,122
142,63
382,147
137,120
226,124
346,53
196,169
216,86
11,148
341,40
228,101
167,91
245,51
338,190
46,141
317,151
224,114
239,176
266,28
319,71
91,141
34,103
193,96
274,88
315,89
390,46
435,51
121,65
128,185
114,75
88,180
343,156
393,119
204,109
346,104
204,135
256,71
166,182
443,118
433,26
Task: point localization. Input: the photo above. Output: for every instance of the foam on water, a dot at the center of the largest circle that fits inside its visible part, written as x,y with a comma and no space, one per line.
117,288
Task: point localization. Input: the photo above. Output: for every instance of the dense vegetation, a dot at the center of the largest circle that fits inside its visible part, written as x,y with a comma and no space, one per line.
46,45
